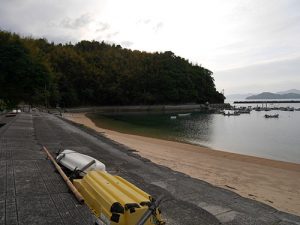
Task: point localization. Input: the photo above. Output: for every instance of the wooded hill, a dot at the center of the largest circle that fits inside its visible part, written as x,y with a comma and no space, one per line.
91,73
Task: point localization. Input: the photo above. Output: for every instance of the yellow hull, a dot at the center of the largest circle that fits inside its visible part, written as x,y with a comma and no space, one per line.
114,200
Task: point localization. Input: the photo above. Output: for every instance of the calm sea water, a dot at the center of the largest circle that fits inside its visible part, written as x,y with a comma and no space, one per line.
249,134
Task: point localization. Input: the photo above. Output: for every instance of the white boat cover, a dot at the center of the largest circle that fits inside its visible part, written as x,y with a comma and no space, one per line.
74,160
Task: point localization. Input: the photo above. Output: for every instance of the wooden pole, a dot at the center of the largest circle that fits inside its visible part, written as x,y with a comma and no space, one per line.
64,176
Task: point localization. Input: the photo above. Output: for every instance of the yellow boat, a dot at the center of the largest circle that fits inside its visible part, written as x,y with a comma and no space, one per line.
116,201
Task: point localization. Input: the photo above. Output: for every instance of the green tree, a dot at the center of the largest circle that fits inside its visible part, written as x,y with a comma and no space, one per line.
97,73
22,77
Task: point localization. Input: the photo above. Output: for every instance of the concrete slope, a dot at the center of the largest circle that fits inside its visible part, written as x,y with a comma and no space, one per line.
190,201
32,193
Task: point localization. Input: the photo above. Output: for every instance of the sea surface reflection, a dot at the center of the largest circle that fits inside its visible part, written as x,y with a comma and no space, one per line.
249,134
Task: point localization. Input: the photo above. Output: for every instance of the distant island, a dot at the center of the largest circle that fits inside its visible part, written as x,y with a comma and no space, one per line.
295,91
238,96
288,94
270,95
92,73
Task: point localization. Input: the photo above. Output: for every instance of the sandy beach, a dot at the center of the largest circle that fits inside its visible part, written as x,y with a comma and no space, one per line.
272,182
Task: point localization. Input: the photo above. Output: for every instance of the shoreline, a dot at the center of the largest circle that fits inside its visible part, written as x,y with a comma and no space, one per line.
275,183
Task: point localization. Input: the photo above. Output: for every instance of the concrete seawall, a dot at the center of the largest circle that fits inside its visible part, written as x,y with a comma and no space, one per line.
148,108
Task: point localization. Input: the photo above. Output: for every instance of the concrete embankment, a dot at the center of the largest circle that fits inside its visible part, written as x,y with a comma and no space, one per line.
149,108
32,193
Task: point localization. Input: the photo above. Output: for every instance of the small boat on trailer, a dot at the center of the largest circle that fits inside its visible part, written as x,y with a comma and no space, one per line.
272,116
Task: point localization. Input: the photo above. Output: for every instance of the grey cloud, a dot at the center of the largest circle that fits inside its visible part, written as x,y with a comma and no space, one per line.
109,42
107,38
103,27
158,26
273,76
126,44
105,32
60,38
147,21
79,22
111,35
44,18
144,21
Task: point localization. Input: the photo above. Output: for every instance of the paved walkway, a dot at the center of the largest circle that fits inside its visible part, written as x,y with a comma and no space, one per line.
32,193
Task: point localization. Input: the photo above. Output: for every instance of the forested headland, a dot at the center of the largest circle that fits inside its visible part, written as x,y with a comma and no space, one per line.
91,73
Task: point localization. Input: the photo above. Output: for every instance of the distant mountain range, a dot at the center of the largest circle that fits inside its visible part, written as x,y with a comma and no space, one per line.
289,94
295,91
269,95
238,96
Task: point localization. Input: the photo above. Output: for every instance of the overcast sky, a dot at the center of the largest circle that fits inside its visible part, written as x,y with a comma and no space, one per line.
250,45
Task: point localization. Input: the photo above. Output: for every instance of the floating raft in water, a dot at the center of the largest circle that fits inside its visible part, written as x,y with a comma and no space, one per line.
272,116
184,114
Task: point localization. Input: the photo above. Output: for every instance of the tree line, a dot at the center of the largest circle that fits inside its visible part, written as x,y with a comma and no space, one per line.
37,72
